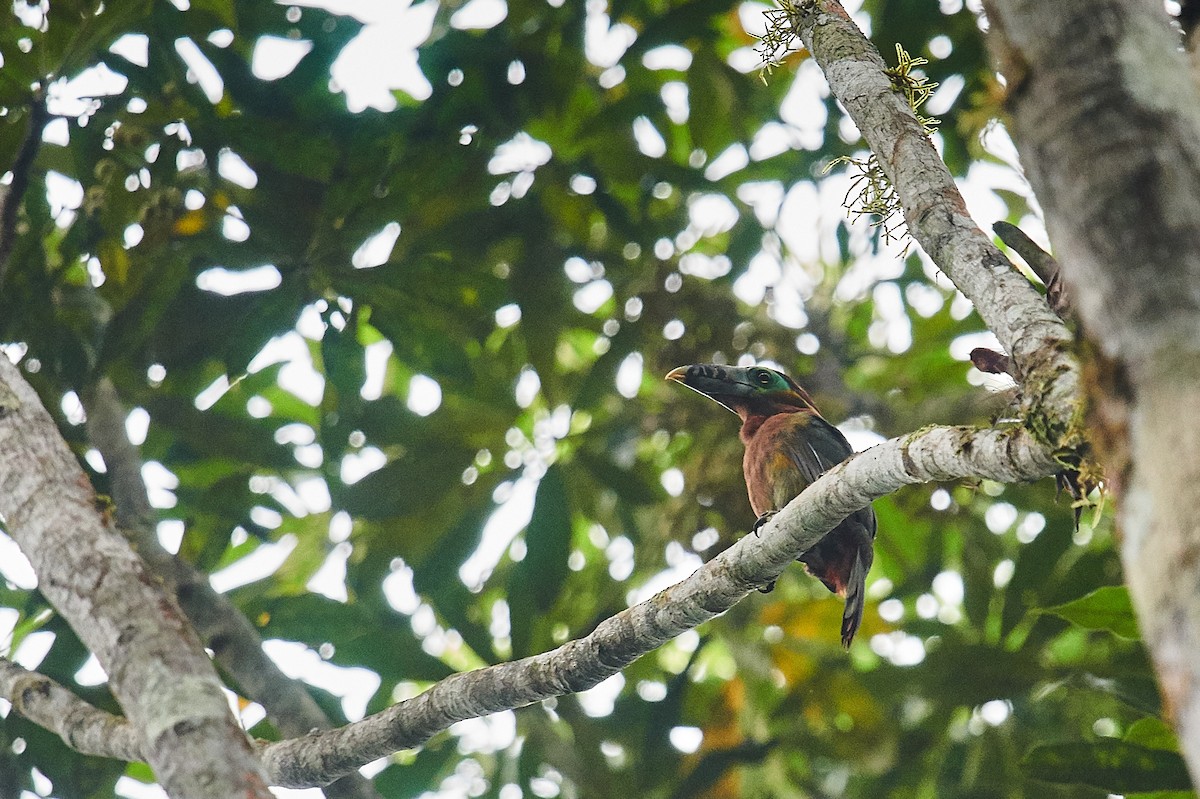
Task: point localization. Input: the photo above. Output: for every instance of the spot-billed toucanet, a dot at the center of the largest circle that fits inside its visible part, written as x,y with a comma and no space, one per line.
788,446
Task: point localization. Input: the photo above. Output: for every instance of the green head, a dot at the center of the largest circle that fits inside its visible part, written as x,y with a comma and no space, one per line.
745,390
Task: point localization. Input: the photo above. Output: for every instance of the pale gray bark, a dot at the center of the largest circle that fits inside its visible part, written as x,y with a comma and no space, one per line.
81,726
1108,125
937,219
234,641
156,666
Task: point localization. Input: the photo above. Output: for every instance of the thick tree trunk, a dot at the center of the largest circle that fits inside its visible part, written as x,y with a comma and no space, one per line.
156,666
234,641
1108,125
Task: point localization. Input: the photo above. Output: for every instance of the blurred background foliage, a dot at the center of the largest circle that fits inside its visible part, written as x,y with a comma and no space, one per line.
395,368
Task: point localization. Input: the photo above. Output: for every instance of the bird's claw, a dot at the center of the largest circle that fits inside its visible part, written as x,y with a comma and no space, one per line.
758,523
761,520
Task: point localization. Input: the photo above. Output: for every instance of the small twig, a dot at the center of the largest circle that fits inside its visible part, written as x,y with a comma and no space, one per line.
1043,264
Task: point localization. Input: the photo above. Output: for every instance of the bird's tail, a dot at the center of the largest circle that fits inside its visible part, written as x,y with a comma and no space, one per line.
856,593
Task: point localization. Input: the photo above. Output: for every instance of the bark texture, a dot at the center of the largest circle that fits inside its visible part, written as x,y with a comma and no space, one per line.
234,641
934,209
937,219
81,726
157,668
1108,125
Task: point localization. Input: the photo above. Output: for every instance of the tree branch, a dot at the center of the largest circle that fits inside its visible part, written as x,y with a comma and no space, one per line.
933,454
235,642
83,727
1109,135
157,668
937,218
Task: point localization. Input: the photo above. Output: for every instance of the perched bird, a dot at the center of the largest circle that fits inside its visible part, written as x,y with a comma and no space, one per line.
788,446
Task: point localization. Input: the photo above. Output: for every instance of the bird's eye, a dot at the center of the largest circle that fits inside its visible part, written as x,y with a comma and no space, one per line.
762,377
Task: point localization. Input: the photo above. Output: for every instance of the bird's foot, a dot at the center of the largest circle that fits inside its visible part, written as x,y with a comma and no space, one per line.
761,520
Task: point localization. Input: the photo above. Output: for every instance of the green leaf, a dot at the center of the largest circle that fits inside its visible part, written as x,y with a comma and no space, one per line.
27,625
362,636
537,580
1152,733
1110,765
405,485
715,94
548,540
218,434
1138,691
1034,572
627,483
435,577
1105,608
414,777
543,302
77,35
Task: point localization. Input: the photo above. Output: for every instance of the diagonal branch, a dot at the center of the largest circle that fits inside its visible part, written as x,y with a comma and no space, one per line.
935,454
157,668
235,643
942,453
932,454
937,218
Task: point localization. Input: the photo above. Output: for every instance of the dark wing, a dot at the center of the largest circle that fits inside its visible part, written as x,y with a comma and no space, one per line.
815,446
843,557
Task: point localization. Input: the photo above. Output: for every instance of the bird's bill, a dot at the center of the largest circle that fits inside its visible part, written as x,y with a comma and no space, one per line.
721,384
678,374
